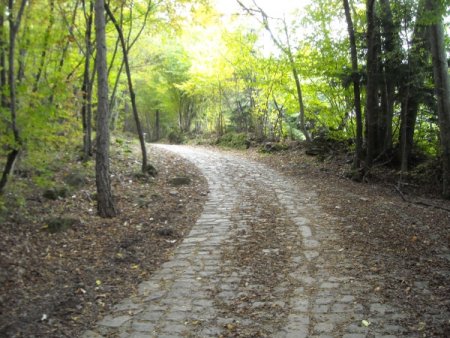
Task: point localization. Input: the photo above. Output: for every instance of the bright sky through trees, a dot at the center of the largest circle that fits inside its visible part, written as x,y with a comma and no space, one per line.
273,8
233,14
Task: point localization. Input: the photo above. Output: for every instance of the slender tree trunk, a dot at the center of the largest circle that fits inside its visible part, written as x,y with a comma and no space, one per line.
86,109
287,51
157,125
372,85
105,206
14,25
21,62
180,113
130,88
298,87
409,108
148,130
116,85
23,52
48,32
64,50
442,88
411,88
129,45
112,98
3,77
279,117
356,87
301,116
392,63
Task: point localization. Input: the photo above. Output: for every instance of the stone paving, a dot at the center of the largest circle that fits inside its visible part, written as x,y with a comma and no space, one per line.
204,291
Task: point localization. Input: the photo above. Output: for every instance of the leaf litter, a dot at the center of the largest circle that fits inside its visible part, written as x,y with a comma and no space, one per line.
57,284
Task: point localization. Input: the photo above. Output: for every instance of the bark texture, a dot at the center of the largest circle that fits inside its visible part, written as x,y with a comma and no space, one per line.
105,202
131,89
14,24
356,86
372,85
442,88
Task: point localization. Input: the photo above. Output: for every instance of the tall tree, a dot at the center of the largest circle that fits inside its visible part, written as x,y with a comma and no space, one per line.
125,50
105,202
356,86
392,62
442,87
86,109
412,88
44,52
286,49
3,81
14,24
372,84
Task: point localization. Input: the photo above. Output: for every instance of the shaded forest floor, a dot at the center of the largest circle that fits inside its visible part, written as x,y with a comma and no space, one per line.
57,283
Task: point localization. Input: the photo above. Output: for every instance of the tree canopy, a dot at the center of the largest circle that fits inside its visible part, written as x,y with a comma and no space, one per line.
371,74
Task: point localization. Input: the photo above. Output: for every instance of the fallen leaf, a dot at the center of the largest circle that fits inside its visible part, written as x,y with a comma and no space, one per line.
231,327
421,326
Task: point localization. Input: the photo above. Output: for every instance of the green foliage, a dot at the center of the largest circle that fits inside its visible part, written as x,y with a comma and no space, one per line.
203,75
175,136
273,147
234,140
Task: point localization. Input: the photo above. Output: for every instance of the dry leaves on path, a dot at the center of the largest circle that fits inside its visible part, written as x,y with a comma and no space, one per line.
58,284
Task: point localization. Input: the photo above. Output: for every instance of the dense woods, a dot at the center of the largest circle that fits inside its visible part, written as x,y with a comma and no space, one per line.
338,209
371,75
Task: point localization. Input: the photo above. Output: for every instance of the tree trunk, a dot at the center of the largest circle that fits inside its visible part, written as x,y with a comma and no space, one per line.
3,77
287,51
442,88
86,110
392,63
14,25
48,32
157,125
112,99
301,116
372,85
62,59
411,90
105,206
279,122
298,87
356,87
409,108
130,88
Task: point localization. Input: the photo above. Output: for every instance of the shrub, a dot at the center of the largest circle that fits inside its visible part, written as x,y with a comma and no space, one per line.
234,140
175,137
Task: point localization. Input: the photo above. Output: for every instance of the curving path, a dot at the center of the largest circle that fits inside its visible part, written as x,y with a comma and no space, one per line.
252,266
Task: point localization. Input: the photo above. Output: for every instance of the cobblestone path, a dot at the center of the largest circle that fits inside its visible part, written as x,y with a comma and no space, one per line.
254,265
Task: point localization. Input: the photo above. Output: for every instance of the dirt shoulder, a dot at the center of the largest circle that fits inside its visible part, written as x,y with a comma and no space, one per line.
58,284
